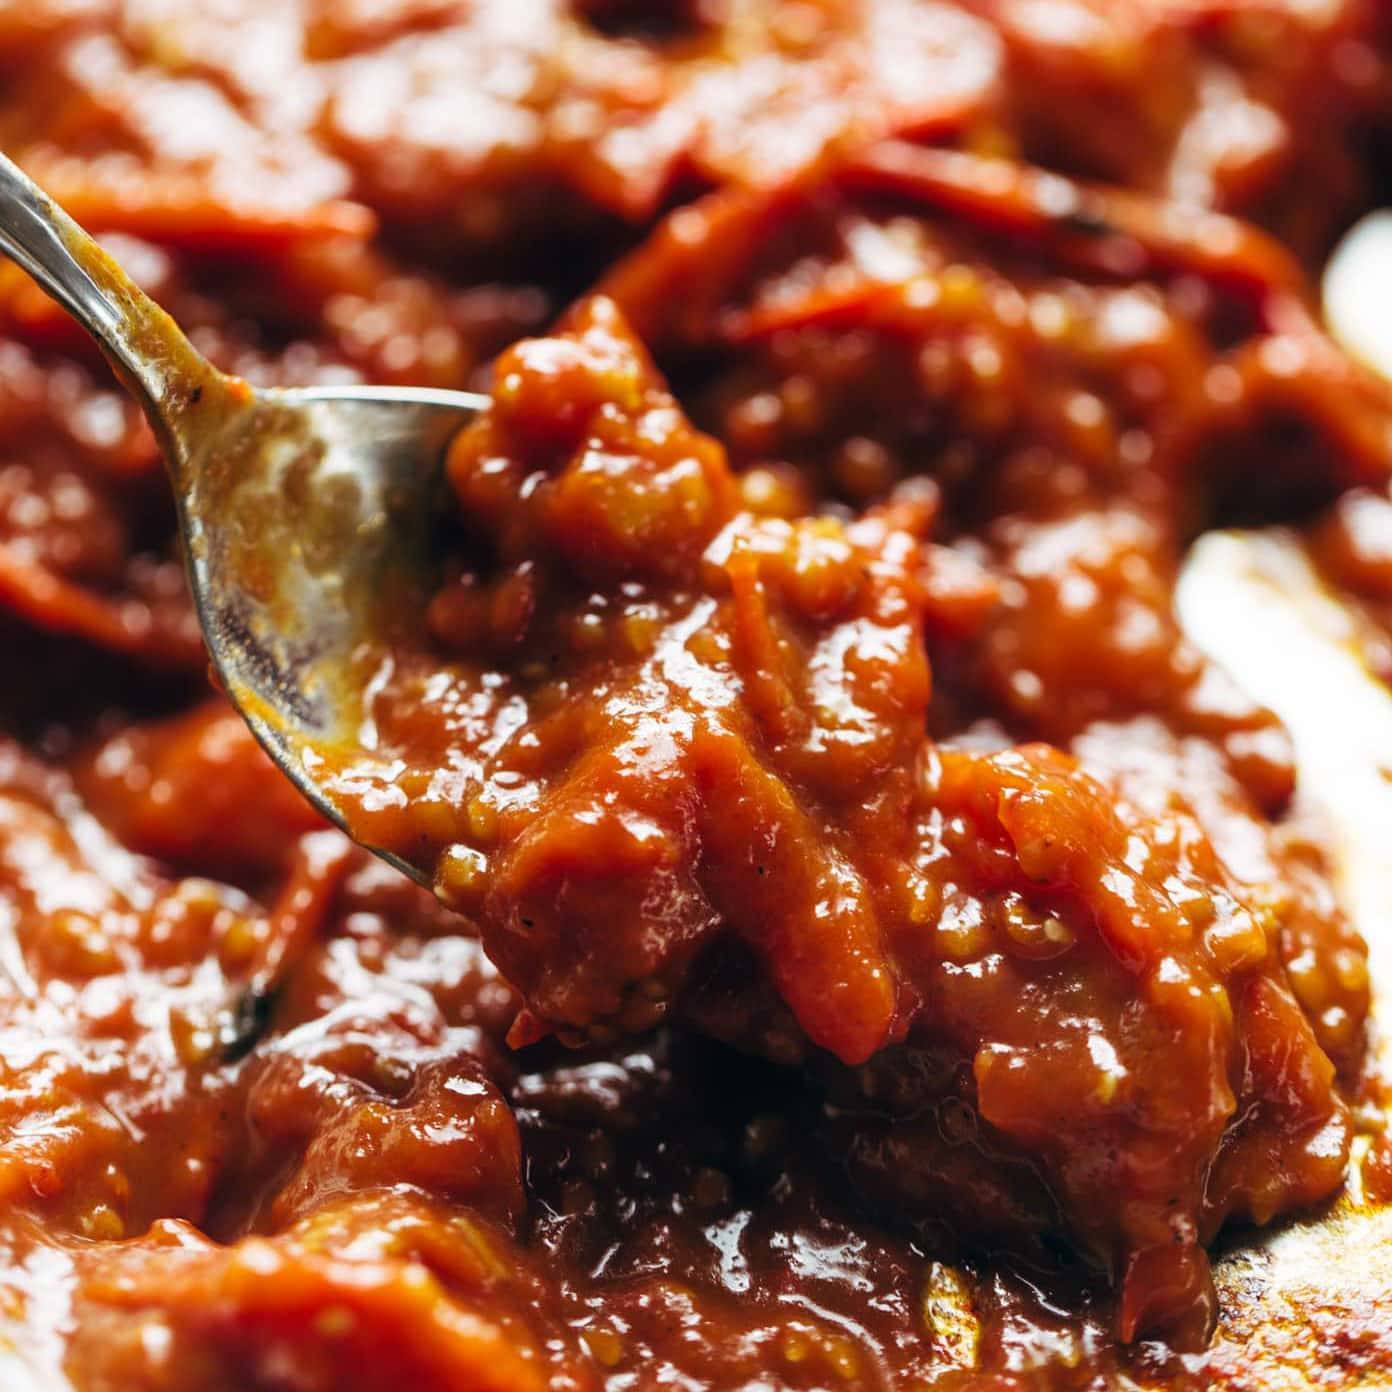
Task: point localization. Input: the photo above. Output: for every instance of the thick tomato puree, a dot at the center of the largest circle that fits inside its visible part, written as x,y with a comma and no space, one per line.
872,949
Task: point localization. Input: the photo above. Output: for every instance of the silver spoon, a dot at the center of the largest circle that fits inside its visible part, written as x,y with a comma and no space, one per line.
306,513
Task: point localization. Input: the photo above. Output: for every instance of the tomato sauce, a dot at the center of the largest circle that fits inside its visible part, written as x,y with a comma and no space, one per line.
873,948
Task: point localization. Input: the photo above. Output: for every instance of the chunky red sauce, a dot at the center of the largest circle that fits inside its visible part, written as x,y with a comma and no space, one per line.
876,949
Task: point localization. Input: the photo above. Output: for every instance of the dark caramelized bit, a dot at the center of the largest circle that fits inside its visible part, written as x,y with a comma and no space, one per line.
645,19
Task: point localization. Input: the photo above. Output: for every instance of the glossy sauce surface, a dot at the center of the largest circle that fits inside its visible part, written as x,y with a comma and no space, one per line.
878,949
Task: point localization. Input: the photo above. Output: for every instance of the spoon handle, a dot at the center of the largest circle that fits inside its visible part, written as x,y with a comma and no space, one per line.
146,347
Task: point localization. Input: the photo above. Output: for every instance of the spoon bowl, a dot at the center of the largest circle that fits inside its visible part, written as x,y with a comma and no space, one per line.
308,517
306,514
